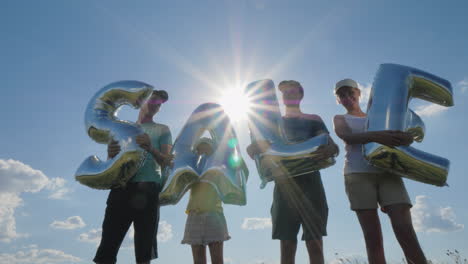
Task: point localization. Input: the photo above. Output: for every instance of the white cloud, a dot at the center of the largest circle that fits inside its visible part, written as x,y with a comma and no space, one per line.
93,236
463,85
255,223
17,178
365,93
430,109
33,255
8,203
429,218
72,222
164,231
57,188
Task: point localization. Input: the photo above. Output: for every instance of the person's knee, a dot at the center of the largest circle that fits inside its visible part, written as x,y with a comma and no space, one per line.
288,244
314,246
400,217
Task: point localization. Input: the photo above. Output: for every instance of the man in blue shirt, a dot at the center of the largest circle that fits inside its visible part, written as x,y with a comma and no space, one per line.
138,201
300,200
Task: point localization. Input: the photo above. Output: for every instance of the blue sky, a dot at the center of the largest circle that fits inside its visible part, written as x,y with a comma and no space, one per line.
56,54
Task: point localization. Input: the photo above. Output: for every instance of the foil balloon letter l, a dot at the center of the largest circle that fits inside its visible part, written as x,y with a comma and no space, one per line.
284,158
394,86
103,126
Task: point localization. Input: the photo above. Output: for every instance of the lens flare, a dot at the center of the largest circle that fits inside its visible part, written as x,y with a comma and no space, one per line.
235,104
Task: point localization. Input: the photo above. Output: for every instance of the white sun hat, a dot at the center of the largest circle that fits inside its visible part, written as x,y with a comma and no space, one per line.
346,82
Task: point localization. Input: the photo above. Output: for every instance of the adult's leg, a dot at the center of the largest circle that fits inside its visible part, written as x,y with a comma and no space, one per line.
314,215
116,222
146,217
199,254
370,225
288,251
285,219
216,252
315,250
400,217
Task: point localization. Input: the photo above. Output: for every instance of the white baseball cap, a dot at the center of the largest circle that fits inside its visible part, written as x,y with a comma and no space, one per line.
346,82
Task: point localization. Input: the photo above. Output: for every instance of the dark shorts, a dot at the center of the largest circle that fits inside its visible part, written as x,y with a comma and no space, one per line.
137,203
299,201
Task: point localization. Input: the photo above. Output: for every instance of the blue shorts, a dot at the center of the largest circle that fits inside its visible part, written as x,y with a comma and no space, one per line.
299,201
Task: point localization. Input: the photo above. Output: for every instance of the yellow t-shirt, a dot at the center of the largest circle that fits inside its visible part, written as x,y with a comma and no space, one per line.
203,199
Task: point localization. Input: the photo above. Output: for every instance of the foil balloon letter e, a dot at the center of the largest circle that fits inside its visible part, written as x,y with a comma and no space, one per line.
225,169
394,86
102,126
283,158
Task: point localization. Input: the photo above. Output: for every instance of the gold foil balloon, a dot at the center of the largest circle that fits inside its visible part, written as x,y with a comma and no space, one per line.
102,125
393,88
225,169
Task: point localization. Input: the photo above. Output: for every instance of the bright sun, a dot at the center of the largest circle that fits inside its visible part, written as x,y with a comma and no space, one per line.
235,104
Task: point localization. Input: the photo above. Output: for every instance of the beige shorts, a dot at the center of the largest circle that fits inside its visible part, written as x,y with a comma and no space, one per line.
369,190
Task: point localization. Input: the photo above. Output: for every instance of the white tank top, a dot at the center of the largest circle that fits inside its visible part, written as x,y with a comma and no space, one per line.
354,159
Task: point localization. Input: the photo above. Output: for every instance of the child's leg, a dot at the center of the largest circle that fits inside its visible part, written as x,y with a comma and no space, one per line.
199,254
400,217
370,224
216,252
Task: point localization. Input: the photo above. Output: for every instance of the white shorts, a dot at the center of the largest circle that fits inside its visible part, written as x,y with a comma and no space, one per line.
205,228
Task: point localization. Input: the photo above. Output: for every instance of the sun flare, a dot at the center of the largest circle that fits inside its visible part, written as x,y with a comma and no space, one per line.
235,104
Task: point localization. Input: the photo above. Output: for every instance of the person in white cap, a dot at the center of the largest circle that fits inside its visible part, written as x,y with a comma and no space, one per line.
368,187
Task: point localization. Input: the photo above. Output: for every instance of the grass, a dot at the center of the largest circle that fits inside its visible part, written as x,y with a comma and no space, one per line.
454,257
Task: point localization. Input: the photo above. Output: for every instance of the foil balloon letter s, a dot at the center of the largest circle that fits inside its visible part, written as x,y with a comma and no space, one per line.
225,169
103,126
283,158
394,86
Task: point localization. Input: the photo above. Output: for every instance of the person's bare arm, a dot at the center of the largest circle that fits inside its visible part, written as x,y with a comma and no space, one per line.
390,138
257,148
331,148
163,157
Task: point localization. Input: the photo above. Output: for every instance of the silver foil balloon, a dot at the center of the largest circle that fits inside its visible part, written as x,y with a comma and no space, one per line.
393,88
102,125
284,158
225,169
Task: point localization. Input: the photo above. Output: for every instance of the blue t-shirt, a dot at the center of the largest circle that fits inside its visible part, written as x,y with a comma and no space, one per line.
298,129
150,171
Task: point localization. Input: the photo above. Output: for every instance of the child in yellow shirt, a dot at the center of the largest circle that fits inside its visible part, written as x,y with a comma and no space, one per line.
206,224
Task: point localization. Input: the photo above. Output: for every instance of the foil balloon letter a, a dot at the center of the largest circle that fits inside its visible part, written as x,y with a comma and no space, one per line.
283,158
103,126
394,86
225,169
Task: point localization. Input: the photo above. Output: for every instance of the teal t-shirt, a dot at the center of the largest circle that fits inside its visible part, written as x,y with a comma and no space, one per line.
150,171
